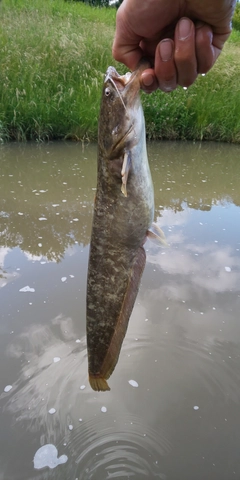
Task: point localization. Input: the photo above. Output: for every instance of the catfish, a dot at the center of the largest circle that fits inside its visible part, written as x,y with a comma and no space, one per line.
122,220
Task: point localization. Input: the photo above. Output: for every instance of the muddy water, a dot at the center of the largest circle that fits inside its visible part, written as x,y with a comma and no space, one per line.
173,409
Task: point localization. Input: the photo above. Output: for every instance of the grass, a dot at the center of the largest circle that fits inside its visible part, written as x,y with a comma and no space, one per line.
53,55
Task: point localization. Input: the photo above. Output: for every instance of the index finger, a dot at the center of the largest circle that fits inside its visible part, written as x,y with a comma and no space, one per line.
126,47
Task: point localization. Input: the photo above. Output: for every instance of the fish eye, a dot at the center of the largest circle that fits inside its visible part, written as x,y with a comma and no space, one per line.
107,91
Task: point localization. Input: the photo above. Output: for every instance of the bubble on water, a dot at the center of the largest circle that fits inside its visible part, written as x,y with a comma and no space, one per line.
54,205
71,276
103,409
133,383
196,407
47,456
64,279
75,219
27,289
39,244
82,387
7,388
70,427
41,219
228,269
20,213
52,411
56,359
78,340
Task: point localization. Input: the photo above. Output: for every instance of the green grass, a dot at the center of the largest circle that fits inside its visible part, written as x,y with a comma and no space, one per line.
53,55
52,60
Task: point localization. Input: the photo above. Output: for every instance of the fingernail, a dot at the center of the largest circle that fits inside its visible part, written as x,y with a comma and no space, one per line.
166,50
147,79
184,28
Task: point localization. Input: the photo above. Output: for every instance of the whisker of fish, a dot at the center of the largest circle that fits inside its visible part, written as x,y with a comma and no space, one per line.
120,96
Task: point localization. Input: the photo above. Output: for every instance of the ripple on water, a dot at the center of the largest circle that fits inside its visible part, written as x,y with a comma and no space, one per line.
216,370
118,448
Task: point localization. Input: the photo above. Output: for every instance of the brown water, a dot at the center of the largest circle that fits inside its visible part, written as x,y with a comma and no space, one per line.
179,419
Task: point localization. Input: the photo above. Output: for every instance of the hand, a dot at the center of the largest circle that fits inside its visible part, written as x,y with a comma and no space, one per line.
180,38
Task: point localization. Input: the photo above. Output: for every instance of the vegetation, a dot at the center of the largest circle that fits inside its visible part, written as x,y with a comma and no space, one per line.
53,56
236,18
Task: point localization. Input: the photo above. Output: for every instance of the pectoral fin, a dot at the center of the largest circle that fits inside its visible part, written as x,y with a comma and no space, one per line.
156,235
125,171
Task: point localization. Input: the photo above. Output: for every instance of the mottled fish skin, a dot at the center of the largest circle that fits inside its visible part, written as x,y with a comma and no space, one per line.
120,223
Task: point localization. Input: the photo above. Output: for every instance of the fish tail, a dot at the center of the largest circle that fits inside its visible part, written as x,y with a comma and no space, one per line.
99,384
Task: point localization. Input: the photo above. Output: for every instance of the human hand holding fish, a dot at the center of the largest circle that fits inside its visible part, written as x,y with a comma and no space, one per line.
181,38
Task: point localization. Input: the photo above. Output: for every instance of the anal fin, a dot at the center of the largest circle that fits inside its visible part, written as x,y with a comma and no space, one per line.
156,235
99,382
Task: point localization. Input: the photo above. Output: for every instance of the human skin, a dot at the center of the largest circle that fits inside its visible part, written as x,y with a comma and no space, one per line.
180,38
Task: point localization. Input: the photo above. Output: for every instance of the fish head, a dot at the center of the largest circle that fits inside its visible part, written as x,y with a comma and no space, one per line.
120,119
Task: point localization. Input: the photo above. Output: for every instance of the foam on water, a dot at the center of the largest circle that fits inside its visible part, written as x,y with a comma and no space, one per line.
52,411
47,456
27,289
7,388
133,383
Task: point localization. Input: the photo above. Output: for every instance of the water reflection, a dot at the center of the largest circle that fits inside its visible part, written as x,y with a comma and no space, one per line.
47,192
182,344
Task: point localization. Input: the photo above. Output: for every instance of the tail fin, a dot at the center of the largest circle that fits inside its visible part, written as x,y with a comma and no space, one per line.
98,384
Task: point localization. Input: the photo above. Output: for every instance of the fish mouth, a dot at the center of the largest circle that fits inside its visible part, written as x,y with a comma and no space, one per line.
130,78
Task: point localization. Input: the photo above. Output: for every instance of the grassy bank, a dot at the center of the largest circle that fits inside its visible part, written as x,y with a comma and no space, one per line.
52,59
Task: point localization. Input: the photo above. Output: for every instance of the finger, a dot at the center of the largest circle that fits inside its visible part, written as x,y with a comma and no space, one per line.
205,53
185,56
125,46
149,82
208,46
164,75
165,68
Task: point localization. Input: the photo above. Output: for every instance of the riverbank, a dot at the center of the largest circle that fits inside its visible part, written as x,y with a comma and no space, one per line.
53,57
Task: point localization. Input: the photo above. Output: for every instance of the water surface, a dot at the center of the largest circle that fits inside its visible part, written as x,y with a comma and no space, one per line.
173,409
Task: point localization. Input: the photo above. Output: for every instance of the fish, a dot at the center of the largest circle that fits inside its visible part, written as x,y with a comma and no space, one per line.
122,221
